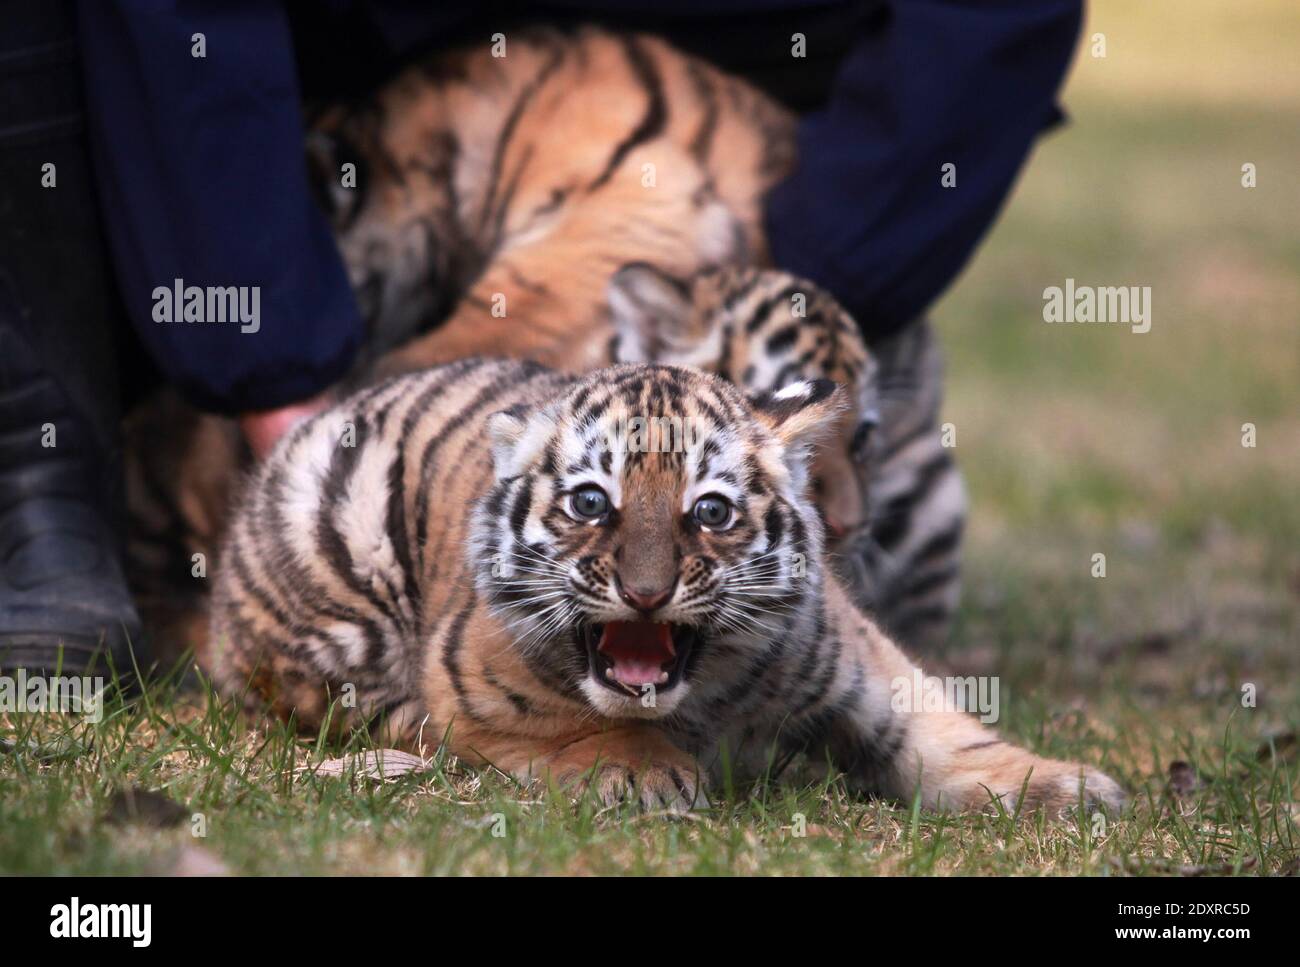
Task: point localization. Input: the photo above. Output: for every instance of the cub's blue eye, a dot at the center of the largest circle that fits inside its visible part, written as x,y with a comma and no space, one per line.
589,503
713,511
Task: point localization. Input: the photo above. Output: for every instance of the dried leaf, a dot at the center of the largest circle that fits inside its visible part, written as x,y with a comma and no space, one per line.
376,764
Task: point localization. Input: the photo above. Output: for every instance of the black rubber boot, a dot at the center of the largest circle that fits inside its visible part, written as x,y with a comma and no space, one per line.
62,595
63,600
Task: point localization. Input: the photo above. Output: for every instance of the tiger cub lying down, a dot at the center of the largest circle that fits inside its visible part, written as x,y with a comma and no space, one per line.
737,322
523,177
499,557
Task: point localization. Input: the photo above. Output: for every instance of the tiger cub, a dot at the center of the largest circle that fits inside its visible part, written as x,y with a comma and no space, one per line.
518,182
889,492
519,177
741,309
505,557
495,196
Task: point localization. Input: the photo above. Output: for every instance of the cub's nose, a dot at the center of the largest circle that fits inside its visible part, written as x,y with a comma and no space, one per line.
642,599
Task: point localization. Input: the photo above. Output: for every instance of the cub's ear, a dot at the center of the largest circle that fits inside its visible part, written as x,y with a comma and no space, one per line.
517,435
651,312
802,413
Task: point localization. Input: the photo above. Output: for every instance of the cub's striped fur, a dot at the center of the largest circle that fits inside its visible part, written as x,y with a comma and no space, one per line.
523,177
517,185
742,323
906,564
520,184
889,492
497,559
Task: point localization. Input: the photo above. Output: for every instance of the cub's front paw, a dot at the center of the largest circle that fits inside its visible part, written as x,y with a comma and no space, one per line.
652,785
633,766
1060,786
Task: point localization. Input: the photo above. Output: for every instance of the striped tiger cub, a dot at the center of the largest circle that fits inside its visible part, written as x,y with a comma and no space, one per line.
503,554
759,328
521,177
482,182
907,562
889,492
500,194
497,195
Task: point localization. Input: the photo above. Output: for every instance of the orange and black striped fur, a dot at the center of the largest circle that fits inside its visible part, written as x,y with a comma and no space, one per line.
496,195
523,178
481,182
888,490
504,556
760,329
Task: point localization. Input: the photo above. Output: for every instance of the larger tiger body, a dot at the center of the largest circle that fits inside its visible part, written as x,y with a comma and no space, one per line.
520,185
497,195
482,552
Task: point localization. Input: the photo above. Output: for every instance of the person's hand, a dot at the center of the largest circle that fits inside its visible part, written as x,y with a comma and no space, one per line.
262,428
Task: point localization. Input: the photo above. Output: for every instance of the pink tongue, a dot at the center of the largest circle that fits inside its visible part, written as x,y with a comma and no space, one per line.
638,649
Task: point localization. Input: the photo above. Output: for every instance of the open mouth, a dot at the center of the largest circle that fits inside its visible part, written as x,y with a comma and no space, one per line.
626,656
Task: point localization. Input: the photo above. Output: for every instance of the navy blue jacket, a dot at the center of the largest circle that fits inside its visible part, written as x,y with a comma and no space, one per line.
202,176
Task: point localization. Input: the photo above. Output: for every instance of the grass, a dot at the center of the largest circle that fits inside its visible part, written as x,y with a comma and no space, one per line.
1074,441
127,795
